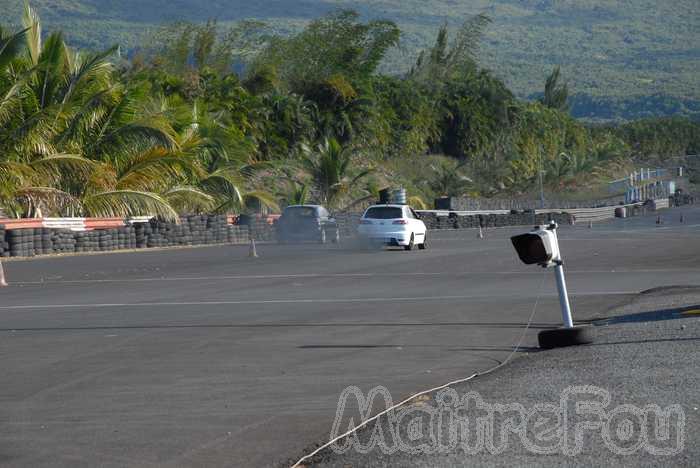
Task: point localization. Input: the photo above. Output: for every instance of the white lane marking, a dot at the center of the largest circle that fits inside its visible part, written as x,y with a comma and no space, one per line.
349,275
304,301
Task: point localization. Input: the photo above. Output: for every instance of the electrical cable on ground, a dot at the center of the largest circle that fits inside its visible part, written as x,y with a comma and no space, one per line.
303,459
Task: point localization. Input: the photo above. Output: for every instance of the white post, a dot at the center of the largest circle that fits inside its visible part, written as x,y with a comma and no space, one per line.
563,293
563,297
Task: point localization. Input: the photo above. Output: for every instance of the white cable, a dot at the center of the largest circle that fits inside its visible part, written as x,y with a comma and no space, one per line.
434,389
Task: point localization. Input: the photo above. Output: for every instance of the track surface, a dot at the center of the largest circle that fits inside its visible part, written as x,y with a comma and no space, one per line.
206,357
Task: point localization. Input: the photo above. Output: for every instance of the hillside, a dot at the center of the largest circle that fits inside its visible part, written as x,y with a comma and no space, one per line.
622,58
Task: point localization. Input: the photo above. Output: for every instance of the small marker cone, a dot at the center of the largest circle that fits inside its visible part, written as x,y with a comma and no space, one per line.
590,224
658,220
252,252
481,233
3,283
681,218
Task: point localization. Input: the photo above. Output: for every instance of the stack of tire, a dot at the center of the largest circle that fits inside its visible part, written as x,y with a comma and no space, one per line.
217,229
105,240
126,237
141,233
467,222
193,230
347,223
237,234
43,241
443,222
4,245
430,220
179,234
87,241
157,236
21,242
261,230
63,241
196,225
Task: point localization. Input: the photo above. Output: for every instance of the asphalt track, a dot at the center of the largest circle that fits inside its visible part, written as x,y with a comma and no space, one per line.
205,357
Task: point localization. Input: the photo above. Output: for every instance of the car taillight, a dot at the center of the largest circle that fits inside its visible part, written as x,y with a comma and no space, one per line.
400,221
365,221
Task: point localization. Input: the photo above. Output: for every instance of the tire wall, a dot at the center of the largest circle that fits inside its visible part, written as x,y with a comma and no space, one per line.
192,230
348,221
455,221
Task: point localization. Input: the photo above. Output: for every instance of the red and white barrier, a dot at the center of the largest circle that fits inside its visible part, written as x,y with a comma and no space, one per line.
74,224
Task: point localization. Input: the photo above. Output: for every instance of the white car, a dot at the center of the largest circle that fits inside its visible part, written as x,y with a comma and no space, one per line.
393,225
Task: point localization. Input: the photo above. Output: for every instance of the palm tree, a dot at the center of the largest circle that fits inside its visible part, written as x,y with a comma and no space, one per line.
297,193
74,140
556,95
448,179
72,137
329,168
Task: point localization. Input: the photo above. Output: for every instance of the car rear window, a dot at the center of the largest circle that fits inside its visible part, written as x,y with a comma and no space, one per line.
384,212
300,212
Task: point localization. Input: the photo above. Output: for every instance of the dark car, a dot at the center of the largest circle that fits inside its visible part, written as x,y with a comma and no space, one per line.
307,223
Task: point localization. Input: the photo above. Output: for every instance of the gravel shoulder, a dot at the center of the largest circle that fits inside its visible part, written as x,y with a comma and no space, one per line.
646,353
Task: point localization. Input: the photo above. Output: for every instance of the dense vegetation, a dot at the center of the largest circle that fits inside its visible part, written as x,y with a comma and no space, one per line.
235,119
623,59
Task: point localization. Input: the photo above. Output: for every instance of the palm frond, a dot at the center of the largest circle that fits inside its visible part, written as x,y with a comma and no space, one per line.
10,47
43,201
154,169
187,199
55,167
125,203
264,198
32,23
224,183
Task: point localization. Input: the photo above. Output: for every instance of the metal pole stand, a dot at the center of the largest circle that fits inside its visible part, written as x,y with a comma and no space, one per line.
563,296
568,335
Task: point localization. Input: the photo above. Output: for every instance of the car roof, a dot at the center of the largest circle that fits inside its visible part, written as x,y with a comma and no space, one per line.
387,206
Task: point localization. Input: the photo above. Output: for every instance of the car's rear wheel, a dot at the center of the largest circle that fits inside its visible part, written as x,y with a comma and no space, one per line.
410,243
424,245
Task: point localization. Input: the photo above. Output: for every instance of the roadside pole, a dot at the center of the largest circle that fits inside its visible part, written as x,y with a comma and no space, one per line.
563,292
541,247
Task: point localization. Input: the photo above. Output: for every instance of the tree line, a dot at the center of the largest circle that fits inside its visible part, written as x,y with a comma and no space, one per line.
209,119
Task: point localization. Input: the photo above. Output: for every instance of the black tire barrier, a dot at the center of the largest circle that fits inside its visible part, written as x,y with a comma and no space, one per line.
562,337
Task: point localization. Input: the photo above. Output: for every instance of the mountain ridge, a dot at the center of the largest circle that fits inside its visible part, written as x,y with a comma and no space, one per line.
621,51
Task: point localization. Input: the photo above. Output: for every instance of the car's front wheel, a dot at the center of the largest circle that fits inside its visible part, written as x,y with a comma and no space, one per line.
410,243
424,245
